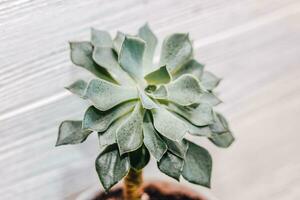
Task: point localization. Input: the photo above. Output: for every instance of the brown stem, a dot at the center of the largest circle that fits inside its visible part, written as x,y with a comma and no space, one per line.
133,185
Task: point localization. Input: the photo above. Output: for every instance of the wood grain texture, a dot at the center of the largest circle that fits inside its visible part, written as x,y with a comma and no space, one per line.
253,45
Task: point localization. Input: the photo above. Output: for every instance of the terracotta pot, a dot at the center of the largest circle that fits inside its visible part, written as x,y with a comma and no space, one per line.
158,190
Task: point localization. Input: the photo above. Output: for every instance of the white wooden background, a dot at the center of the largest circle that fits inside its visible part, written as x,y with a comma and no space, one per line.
253,44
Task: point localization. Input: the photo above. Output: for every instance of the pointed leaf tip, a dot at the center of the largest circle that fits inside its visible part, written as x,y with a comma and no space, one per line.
111,167
81,55
209,80
159,76
151,42
131,56
185,90
100,38
99,121
197,165
78,88
168,124
107,58
171,165
176,51
105,95
70,132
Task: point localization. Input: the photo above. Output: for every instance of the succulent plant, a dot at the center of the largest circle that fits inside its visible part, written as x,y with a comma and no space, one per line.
141,109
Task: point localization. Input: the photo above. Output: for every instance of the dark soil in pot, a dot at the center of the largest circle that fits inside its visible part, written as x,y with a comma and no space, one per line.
156,191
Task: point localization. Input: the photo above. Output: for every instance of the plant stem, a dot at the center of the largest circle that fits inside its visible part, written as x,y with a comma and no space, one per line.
133,185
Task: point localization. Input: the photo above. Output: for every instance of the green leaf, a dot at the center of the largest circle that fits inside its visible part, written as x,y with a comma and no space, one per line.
160,93
106,58
111,167
223,140
70,132
171,165
108,138
209,80
197,165
176,51
192,67
100,38
131,56
209,98
105,95
97,120
78,88
199,131
168,124
130,133
202,115
184,90
177,148
81,55
154,143
147,102
117,43
151,41
196,130
159,76
139,158
220,125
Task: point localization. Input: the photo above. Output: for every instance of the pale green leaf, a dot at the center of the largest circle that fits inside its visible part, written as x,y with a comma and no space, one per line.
159,76
200,115
108,138
70,132
78,88
118,40
199,130
220,125
171,165
105,95
168,124
184,90
130,133
177,148
196,130
107,58
223,140
111,167
154,143
81,55
176,51
97,120
151,41
197,165
100,38
139,158
160,93
209,80
131,56
146,101
209,98
192,67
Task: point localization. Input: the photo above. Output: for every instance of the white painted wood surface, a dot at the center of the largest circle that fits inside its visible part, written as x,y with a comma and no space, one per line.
253,44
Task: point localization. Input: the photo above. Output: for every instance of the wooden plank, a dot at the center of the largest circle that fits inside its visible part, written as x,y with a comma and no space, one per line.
30,68
259,64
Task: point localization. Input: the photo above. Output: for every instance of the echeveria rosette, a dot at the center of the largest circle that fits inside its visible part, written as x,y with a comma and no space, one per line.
141,109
